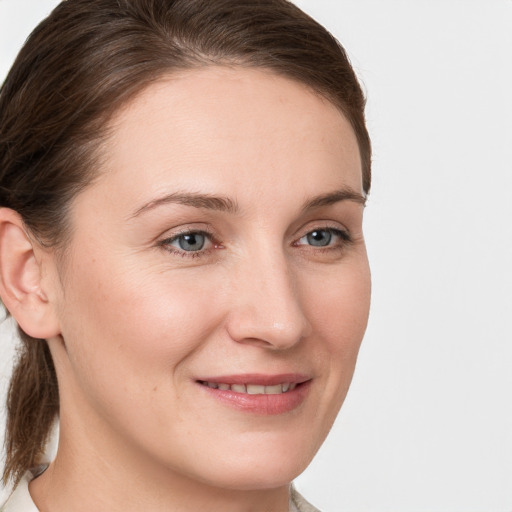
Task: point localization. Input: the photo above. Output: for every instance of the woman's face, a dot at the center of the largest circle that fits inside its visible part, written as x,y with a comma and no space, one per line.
216,289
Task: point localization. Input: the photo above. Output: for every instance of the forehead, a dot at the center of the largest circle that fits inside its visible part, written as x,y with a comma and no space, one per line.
224,126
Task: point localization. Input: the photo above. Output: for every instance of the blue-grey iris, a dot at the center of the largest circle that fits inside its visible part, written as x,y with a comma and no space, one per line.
192,242
319,238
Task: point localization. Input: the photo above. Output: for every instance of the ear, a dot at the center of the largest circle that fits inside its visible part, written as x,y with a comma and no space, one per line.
21,279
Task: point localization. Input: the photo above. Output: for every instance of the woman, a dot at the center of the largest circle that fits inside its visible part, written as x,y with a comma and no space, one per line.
182,189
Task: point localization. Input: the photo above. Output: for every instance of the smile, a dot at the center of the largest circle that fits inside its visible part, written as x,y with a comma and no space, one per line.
252,389
257,393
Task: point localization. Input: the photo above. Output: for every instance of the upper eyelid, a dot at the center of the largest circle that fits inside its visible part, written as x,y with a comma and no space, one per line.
185,231
167,244
166,241
344,234
322,225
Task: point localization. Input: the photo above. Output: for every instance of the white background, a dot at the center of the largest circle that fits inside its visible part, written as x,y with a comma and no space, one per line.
427,425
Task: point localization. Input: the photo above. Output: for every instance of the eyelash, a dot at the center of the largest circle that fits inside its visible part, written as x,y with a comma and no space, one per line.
166,243
344,236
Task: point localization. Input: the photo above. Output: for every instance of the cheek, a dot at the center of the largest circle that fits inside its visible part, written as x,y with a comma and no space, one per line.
339,312
339,307
123,325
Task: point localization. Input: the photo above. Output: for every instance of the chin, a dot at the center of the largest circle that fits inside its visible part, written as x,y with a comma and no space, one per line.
243,478
267,464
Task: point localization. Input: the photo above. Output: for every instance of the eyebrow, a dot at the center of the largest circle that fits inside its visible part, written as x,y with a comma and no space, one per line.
226,204
345,194
203,201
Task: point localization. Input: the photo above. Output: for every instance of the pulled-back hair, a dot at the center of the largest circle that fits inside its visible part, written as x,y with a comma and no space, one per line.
78,67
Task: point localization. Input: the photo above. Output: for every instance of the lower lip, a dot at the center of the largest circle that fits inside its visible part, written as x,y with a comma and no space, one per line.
266,405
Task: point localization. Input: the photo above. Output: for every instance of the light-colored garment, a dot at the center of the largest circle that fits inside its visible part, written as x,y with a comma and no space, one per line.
300,504
21,501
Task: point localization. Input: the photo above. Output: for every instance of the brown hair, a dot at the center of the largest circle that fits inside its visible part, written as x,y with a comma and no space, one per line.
77,68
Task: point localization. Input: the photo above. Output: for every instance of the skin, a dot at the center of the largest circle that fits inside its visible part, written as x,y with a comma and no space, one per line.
138,319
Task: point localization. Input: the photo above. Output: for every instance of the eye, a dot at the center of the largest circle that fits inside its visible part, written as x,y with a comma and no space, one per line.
327,237
188,242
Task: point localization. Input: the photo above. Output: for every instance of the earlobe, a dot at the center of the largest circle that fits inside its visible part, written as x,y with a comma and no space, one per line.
21,287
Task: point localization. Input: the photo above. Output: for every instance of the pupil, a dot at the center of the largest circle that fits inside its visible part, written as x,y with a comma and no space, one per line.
193,242
319,238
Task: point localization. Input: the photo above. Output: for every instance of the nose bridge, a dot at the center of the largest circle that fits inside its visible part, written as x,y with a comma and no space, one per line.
268,304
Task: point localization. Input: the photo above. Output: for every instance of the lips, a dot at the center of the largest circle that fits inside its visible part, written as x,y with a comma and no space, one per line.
252,389
261,394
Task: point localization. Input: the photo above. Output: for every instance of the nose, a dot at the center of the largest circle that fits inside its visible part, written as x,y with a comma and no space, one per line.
266,309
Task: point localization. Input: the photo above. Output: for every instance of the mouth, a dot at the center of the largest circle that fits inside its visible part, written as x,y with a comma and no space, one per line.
260,394
252,389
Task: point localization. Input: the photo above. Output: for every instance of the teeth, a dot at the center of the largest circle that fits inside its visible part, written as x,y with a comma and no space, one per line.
253,389
274,390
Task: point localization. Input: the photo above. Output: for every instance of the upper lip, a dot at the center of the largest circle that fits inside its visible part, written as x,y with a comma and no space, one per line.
257,378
